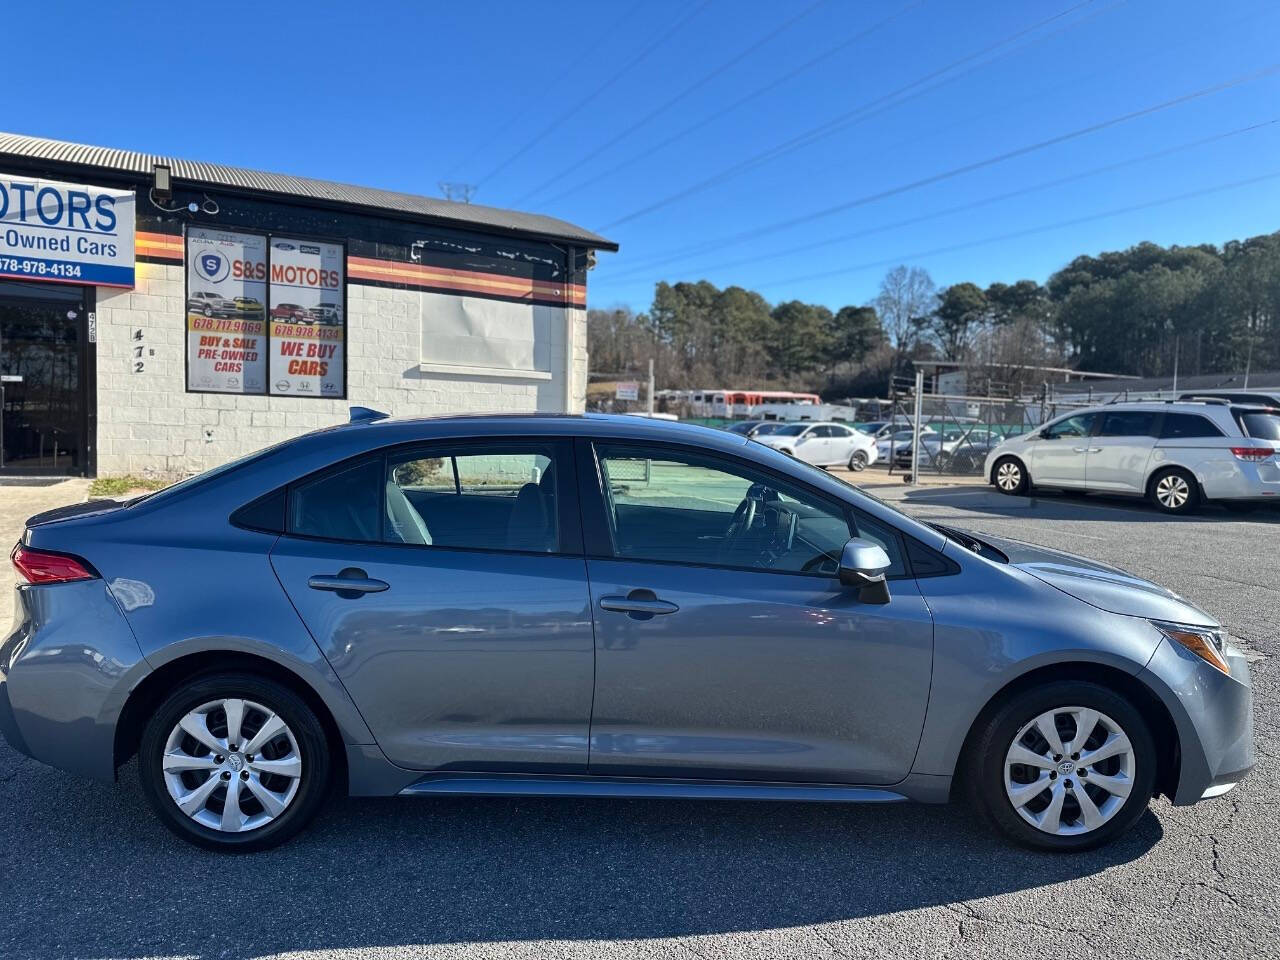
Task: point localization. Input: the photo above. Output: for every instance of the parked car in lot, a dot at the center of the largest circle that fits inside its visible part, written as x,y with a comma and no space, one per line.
822,444
291,313
211,304
1176,454
954,450
889,443
599,607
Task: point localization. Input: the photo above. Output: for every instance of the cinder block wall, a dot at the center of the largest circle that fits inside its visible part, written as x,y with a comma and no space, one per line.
149,424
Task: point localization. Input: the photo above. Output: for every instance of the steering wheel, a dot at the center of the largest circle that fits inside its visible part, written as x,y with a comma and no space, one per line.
743,518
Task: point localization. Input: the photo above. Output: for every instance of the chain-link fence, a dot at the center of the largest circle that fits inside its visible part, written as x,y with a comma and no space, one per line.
955,432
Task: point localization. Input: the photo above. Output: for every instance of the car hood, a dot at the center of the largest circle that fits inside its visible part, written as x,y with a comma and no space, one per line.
773,440
1101,585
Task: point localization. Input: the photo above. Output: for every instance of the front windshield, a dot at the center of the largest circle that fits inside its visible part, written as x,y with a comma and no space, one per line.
767,428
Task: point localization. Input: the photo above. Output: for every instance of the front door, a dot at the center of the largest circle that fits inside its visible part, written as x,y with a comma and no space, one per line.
1060,456
43,405
726,648
444,585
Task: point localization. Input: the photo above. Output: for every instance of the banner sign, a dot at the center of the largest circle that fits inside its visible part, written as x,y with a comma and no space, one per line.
66,232
629,390
308,326
226,312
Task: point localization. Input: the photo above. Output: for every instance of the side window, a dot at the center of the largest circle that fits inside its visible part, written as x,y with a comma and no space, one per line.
342,504
1128,423
501,498
1081,425
688,507
1179,426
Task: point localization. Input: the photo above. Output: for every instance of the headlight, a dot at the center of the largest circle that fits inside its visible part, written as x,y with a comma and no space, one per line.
1209,645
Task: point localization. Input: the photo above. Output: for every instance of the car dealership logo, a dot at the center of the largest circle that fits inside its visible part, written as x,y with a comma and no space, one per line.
285,246
282,386
309,248
212,266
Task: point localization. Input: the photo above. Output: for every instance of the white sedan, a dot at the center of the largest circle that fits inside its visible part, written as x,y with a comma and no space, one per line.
822,444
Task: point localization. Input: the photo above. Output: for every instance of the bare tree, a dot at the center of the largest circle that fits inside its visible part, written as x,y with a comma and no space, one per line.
906,300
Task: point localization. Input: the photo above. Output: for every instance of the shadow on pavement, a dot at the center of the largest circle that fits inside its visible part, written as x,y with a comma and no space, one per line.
1053,505
103,878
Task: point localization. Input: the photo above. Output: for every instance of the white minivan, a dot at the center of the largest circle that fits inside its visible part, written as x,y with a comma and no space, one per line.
1178,454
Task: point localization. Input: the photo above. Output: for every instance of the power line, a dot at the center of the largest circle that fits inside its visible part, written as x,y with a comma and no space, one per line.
1001,157
1017,234
960,208
630,65
658,111
574,67
887,101
703,121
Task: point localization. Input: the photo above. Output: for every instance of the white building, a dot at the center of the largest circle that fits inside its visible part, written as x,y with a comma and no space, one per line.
163,316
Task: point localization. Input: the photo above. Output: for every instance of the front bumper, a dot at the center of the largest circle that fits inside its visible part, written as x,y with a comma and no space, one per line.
1213,714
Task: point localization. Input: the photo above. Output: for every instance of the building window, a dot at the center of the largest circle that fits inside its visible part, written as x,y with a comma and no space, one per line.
265,315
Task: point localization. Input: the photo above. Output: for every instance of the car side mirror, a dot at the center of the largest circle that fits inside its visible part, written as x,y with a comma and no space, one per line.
863,565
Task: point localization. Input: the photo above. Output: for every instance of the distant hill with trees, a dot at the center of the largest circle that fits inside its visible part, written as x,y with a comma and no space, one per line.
1131,312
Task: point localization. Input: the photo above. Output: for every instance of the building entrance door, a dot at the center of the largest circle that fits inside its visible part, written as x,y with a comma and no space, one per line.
43,380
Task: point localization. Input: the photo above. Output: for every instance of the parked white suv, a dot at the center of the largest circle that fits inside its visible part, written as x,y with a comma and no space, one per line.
1176,453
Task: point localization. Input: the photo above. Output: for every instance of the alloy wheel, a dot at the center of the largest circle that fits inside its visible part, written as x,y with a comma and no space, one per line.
1173,491
1069,771
232,765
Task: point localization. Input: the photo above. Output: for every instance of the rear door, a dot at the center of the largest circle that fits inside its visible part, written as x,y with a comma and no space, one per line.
445,584
1060,456
1118,453
726,646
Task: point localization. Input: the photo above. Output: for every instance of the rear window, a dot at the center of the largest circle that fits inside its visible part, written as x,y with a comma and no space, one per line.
1181,426
1259,425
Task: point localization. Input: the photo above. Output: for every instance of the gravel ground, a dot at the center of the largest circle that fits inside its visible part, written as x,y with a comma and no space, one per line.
86,872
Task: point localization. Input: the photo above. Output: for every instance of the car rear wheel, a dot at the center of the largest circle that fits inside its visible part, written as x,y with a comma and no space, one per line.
234,762
1174,491
1064,766
858,462
1011,476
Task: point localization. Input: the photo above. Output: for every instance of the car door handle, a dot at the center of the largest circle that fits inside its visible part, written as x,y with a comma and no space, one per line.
1080,449
642,602
350,580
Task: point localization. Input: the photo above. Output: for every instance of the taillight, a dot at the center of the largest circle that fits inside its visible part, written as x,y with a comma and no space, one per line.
1252,454
37,566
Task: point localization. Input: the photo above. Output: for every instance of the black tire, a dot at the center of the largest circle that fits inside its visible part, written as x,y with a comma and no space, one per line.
858,461
1014,470
208,310
1174,490
302,722
983,771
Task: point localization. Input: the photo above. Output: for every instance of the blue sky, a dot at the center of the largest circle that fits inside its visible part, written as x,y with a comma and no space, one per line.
540,105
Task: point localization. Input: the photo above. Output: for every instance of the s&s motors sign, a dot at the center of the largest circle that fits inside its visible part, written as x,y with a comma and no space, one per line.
66,232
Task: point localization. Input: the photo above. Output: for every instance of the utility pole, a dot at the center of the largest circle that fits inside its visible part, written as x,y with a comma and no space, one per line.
651,387
915,427
1177,343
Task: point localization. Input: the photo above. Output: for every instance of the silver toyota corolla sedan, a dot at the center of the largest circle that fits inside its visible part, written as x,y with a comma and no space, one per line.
596,606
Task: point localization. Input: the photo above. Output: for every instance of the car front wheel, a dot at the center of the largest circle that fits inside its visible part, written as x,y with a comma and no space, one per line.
234,762
1011,476
1064,766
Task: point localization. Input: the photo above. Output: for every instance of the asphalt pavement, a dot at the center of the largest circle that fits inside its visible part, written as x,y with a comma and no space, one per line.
85,871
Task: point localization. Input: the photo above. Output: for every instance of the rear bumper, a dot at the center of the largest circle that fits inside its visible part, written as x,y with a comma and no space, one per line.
66,669
1213,714
1231,479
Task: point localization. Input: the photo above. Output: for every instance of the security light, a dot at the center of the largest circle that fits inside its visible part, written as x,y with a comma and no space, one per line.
163,189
